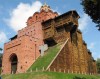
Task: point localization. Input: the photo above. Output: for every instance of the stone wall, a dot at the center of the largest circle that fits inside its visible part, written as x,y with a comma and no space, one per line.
74,57
62,61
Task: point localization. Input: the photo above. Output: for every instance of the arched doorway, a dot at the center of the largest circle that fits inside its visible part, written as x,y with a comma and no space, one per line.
14,61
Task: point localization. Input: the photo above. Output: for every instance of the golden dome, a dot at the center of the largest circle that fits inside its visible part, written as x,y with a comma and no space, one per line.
45,7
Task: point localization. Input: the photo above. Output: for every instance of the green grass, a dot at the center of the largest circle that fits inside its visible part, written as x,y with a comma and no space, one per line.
0,70
45,60
48,75
98,76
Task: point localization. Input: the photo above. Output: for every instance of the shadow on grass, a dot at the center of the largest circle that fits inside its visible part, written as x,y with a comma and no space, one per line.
80,78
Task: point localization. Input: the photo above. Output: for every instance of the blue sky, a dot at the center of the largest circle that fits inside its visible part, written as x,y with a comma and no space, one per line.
14,13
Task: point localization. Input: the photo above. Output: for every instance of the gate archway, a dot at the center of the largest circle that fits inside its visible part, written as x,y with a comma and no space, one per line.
14,62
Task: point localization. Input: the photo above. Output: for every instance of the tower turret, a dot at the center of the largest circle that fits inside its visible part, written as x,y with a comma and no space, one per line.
45,7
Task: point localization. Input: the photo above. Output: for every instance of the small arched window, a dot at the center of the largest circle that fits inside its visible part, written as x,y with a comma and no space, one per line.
36,17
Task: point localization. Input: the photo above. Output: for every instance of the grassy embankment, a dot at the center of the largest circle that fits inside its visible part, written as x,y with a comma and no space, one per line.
49,75
44,61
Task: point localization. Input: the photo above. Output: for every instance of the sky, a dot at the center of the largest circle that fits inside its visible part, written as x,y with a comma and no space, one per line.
14,14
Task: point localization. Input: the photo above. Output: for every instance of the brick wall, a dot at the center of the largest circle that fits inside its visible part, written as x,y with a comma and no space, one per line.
26,45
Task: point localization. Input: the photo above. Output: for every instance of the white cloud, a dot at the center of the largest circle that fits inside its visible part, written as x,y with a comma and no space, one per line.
3,37
20,14
91,46
83,22
56,10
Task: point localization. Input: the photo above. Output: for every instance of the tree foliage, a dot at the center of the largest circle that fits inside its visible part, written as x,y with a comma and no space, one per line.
1,49
92,8
98,65
1,57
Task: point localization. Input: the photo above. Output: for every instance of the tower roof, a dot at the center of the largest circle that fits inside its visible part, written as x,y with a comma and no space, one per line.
45,7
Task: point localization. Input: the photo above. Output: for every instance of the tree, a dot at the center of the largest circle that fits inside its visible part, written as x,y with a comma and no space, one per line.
92,8
1,49
98,65
1,57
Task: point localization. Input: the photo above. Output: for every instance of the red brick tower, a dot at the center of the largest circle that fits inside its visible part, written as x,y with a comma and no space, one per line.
23,49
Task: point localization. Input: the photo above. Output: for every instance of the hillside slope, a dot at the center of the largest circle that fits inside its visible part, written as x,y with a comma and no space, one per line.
44,61
49,75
